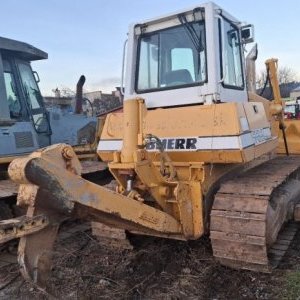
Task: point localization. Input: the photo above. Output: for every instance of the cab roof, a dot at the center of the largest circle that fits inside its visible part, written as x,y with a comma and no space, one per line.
21,50
169,16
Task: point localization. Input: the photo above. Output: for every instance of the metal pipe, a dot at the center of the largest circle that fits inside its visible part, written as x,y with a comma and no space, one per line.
250,69
129,184
282,127
79,94
122,89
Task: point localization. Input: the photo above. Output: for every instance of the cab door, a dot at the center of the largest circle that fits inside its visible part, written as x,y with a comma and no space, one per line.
17,135
34,102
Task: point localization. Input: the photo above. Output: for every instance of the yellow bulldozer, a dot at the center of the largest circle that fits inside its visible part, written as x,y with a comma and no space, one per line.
193,152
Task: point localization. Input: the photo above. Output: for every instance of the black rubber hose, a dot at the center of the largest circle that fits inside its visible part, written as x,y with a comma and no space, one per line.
265,84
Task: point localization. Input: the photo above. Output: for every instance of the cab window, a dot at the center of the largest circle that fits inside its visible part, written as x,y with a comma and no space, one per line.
30,86
33,97
13,98
231,59
172,58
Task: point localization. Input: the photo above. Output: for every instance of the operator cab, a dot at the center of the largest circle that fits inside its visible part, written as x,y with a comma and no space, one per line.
193,56
24,123
21,89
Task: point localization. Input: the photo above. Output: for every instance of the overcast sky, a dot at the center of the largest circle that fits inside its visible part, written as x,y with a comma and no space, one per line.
86,37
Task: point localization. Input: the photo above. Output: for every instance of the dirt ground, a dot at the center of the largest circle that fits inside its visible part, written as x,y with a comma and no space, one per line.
85,268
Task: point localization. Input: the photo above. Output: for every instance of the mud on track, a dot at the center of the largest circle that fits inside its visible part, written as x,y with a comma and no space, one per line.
155,269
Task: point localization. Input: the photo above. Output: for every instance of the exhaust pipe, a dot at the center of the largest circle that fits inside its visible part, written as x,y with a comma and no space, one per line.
251,70
79,95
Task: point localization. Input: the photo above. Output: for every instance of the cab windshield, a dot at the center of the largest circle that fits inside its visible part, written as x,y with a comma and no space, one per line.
172,58
33,97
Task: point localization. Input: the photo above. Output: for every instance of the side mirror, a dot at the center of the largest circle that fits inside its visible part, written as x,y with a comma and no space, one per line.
247,33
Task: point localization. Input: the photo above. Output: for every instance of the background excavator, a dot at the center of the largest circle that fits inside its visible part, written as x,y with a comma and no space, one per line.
25,123
193,152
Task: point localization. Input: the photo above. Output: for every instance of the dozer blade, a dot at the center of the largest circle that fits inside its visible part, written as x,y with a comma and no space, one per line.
51,185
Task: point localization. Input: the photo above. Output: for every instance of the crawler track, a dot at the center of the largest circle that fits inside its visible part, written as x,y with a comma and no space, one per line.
249,214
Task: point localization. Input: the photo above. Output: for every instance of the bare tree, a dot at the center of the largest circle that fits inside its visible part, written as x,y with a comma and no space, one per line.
285,75
261,79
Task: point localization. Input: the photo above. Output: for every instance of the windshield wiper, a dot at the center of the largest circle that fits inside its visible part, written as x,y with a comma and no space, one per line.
189,28
197,41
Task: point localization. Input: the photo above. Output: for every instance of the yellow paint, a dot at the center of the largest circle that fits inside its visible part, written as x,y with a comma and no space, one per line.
197,172
292,131
195,121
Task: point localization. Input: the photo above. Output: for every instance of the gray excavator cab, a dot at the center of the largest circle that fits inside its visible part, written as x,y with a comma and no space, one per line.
25,123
